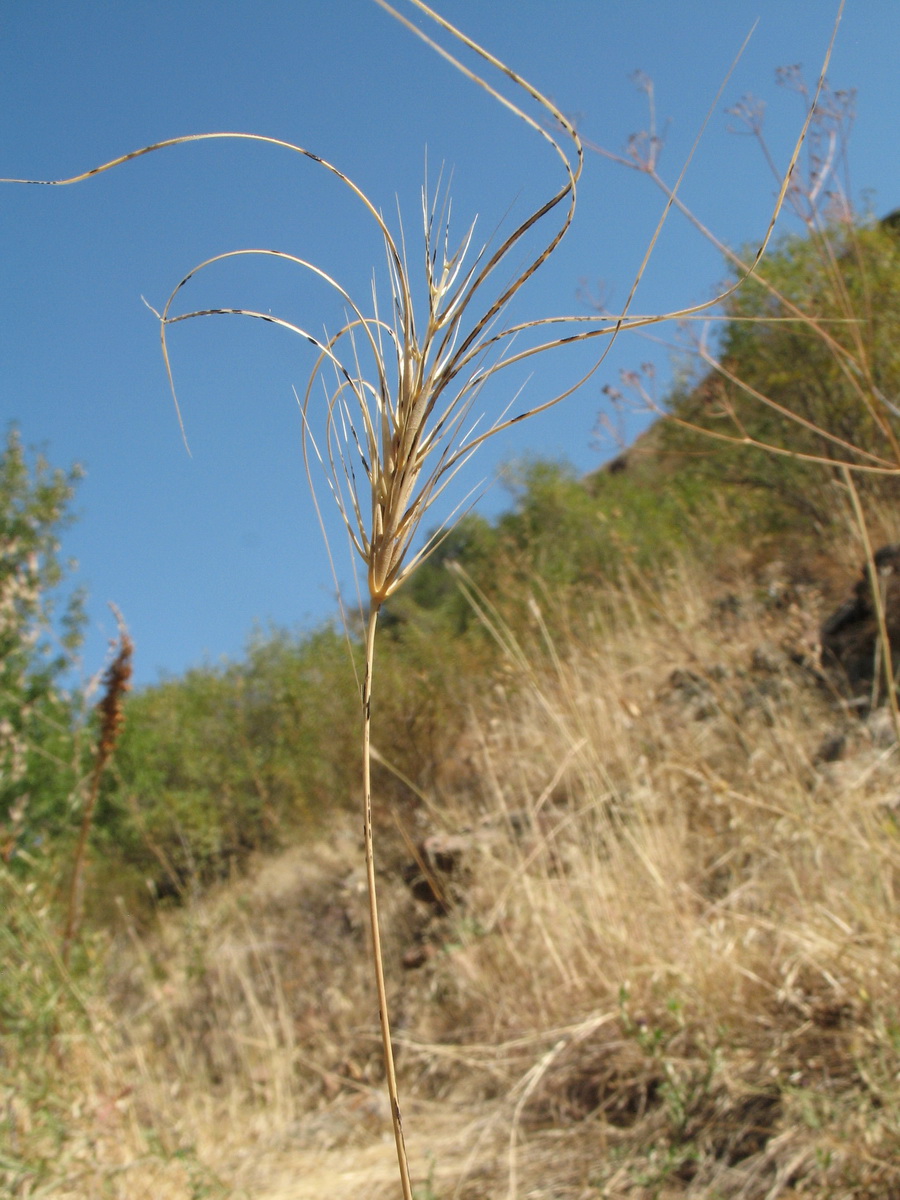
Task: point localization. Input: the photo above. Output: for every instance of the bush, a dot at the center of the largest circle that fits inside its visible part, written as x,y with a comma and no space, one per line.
820,387
40,632
226,760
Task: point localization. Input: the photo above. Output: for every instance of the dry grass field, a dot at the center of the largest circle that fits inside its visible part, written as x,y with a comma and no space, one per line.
641,940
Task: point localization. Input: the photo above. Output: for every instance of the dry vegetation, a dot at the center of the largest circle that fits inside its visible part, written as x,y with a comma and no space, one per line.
656,956
638,918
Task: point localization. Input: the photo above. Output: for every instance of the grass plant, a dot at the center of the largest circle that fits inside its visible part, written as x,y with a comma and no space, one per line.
401,385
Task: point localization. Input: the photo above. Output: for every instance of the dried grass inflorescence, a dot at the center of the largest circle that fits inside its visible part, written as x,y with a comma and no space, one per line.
116,682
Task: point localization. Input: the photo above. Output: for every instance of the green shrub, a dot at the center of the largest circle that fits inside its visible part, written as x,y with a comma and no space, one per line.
228,759
40,632
835,374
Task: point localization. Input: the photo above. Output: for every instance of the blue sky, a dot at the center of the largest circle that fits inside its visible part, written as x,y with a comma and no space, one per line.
196,549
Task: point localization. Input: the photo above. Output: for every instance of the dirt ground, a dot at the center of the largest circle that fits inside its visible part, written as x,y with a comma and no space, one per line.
449,1152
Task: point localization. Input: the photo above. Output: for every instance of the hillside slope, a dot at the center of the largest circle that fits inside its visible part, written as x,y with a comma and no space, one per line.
641,941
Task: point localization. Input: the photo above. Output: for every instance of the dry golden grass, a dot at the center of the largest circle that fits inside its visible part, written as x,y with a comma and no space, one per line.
692,945
669,967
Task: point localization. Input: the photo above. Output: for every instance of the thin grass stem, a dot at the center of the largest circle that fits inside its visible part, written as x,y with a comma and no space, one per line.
372,890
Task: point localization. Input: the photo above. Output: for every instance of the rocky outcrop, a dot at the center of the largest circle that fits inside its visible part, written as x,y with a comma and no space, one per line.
850,637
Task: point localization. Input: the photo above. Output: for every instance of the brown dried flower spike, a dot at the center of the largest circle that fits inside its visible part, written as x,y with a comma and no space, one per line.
116,682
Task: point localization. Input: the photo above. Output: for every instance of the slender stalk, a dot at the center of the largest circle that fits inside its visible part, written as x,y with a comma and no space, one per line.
117,682
878,598
73,906
377,959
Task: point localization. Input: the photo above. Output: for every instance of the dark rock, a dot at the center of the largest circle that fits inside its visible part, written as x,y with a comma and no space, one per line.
850,638
693,692
832,748
418,955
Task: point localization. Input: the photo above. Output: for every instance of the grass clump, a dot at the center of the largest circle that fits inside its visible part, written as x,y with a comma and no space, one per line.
78,1120
682,951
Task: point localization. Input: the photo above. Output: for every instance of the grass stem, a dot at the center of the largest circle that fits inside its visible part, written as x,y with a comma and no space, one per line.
371,887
